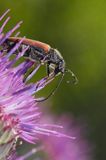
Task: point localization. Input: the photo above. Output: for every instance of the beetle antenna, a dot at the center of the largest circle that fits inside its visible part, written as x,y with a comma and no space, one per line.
75,80
53,91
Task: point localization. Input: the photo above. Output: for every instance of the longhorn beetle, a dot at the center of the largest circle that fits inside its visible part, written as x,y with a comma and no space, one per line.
44,54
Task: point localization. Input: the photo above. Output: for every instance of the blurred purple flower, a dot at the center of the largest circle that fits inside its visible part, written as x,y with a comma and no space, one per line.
19,116
67,149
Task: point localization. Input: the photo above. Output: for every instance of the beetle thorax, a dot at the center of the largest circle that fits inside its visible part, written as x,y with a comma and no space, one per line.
56,59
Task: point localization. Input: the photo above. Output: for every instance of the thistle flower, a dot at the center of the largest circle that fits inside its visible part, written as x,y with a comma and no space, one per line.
19,115
67,149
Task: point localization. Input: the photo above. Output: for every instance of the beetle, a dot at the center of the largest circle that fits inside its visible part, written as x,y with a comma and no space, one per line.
43,53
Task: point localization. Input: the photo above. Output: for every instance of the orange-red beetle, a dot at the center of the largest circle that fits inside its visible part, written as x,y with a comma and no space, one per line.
44,54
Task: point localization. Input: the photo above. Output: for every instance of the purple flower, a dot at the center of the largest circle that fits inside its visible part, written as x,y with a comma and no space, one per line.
19,116
77,148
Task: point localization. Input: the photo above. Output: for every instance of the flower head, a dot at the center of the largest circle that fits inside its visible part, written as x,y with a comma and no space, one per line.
19,115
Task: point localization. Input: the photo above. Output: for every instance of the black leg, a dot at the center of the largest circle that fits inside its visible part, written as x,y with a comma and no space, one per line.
48,69
56,71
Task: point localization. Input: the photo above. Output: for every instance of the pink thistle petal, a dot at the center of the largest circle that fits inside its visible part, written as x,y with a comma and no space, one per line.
10,33
5,22
4,14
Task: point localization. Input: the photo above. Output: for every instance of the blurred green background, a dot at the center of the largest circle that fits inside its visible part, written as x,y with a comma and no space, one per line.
78,30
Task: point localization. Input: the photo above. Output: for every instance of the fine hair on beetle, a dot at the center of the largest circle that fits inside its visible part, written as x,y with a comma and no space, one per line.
41,53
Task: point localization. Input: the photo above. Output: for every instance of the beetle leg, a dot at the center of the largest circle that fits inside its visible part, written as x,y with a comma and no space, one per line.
48,80
56,71
48,69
